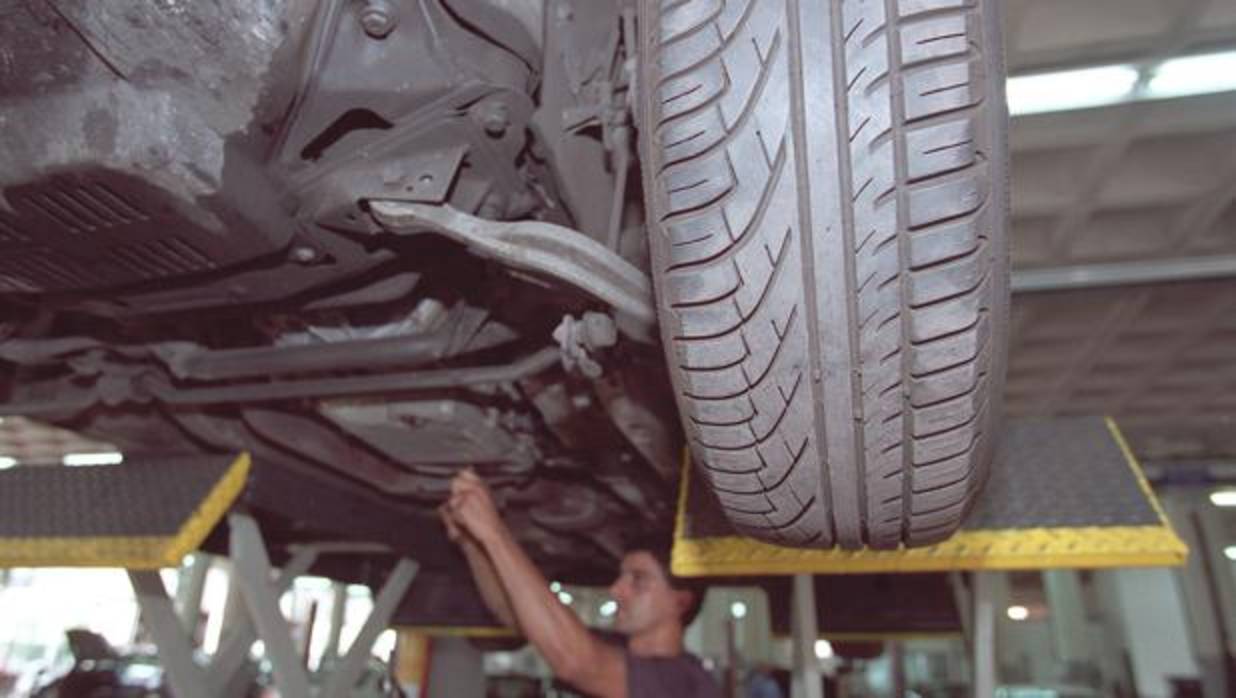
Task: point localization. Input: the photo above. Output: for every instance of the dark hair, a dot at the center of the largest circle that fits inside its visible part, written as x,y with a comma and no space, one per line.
659,546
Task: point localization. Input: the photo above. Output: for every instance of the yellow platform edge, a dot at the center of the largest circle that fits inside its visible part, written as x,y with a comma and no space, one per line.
1084,547
133,552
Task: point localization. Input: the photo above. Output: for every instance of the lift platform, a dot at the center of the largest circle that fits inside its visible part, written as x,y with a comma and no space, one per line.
1062,493
143,516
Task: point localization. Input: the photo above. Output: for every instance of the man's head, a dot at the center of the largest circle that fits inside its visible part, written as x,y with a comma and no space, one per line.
648,595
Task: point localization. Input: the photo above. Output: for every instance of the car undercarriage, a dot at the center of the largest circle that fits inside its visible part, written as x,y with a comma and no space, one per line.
378,241
206,274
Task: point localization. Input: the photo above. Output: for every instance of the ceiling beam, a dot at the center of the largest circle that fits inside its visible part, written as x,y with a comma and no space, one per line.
1123,273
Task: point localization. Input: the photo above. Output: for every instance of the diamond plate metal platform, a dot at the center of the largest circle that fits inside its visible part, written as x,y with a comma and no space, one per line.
141,515
1062,493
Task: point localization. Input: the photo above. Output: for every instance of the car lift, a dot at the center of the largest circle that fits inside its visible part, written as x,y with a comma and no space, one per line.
1062,493
145,516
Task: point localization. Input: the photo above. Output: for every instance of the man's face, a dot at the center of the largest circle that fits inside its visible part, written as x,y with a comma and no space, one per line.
645,598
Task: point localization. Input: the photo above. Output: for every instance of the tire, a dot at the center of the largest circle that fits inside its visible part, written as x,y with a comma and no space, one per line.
835,318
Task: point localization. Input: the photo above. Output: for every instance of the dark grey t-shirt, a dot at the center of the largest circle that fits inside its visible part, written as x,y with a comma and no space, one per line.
669,677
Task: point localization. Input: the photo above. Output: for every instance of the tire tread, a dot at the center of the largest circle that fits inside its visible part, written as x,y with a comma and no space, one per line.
735,271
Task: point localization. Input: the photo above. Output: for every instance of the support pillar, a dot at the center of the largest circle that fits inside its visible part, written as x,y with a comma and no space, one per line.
187,679
984,635
456,669
189,592
1069,626
339,604
1186,509
345,675
253,613
805,682
252,575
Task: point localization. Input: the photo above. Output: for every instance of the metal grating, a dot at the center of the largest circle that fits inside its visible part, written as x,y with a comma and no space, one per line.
74,232
39,269
166,257
83,208
10,234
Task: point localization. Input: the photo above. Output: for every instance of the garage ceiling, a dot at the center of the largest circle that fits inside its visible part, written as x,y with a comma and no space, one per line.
1050,34
1133,191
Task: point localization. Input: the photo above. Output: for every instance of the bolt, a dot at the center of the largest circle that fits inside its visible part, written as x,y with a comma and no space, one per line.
495,118
378,18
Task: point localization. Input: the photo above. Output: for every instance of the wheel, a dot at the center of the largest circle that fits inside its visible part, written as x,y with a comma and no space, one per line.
828,195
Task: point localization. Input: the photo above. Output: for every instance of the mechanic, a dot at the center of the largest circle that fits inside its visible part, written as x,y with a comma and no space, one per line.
653,608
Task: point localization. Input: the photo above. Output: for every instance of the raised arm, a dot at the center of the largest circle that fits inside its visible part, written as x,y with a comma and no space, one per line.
483,572
574,654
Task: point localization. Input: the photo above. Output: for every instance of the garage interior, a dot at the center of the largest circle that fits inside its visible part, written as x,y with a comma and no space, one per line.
1123,244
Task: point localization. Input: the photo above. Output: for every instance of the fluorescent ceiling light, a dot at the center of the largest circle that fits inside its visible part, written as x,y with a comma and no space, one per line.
566,598
101,458
7,462
1100,86
823,649
609,608
1223,498
738,609
1018,612
1230,552
1194,75
555,587
1070,89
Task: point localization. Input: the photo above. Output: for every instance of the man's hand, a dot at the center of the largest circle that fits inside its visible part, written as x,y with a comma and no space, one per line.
471,509
466,489
518,594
